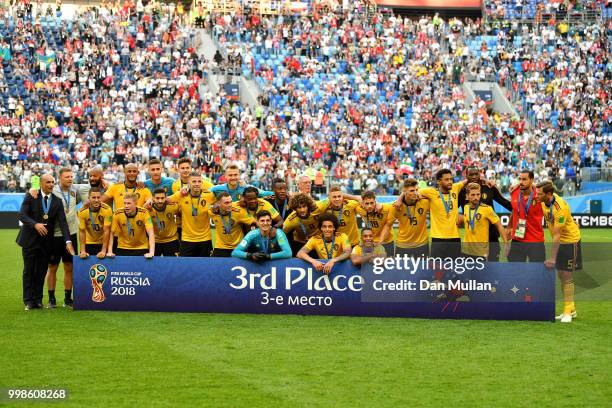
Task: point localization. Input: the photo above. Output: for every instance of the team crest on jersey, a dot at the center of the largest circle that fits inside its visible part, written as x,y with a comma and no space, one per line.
139,223
420,211
203,203
454,195
336,247
346,212
484,196
169,216
478,217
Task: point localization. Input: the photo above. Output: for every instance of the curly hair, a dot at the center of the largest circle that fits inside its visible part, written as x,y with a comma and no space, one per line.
329,217
301,200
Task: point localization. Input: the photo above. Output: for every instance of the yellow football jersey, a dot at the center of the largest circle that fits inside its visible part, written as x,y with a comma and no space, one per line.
377,250
562,216
340,244
93,223
443,224
118,190
378,220
347,219
131,232
164,223
263,205
195,220
412,230
303,228
476,241
228,228
178,184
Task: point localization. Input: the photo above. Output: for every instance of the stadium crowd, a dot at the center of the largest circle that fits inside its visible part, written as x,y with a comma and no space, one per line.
364,102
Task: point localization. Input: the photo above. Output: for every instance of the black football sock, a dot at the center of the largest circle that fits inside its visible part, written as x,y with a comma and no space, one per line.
67,294
52,295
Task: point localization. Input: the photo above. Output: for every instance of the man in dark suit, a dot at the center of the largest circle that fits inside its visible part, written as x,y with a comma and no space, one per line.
39,217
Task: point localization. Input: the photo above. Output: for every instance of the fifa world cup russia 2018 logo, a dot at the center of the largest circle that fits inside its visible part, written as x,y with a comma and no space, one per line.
98,274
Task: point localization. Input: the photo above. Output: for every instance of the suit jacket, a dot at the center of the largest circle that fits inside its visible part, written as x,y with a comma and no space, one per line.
31,213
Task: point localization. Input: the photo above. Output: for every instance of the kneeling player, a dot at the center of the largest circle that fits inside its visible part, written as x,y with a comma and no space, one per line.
265,242
566,254
163,215
134,230
230,221
331,245
367,250
94,226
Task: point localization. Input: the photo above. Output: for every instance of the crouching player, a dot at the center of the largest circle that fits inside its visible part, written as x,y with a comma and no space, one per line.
134,230
332,246
367,250
94,226
265,242
566,254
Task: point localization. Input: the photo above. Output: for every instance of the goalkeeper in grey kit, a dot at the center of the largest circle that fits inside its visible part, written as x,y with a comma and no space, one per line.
263,243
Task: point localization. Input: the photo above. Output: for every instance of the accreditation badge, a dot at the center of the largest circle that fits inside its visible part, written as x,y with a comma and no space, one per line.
520,228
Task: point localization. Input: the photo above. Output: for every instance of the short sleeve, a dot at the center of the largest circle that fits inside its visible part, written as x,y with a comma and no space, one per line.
82,222
428,192
357,250
311,244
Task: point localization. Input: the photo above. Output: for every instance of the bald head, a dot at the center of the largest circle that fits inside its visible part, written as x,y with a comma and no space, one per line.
131,173
46,183
96,174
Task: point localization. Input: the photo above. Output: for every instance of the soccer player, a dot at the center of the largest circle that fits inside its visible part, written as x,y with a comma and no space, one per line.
265,242
233,186
157,180
526,229
477,219
378,218
133,228
368,250
253,205
280,199
345,212
117,191
94,226
304,221
566,253
444,215
229,220
69,195
163,216
411,213
330,245
488,195
196,237
184,169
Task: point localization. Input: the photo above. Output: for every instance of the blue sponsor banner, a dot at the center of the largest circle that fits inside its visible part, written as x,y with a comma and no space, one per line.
501,291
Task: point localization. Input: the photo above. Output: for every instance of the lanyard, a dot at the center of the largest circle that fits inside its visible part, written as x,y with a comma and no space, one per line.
330,251
159,224
339,214
265,244
129,225
304,231
408,212
552,218
472,218
66,199
127,189
194,210
93,221
284,208
525,206
447,205
46,207
227,227
368,222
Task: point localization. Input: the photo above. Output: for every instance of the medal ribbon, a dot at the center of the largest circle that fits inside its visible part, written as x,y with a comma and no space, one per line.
330,251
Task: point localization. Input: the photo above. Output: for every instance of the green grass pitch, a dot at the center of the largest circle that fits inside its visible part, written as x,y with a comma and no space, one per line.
113,359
